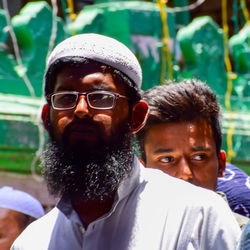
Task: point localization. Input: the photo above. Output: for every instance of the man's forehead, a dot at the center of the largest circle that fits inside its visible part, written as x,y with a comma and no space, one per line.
94,78
198,130
6,213
3,212
72,70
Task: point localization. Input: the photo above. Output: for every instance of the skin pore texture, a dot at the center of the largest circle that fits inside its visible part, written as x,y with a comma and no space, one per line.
185,150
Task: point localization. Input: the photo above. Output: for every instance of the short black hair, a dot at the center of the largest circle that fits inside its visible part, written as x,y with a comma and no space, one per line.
50,77
189,100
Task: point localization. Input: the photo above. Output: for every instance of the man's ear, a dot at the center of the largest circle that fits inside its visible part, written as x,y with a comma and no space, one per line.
45,116
222,163
140,113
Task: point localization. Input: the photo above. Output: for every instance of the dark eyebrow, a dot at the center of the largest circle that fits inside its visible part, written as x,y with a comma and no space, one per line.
200,148
93,86
169,150
102,86
163,150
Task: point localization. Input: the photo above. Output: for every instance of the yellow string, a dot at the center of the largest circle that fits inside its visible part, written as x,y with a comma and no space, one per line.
165,51
230,152
245,11
72,15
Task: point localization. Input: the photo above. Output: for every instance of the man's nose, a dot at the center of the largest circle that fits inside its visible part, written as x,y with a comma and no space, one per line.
184,171
81,108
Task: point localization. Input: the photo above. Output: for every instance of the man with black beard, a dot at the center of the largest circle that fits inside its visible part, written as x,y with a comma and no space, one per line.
108,200
87,173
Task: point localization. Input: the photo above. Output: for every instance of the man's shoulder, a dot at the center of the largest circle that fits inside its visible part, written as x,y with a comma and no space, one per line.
48,220
194,208
158,179
168,188
38,231
176,195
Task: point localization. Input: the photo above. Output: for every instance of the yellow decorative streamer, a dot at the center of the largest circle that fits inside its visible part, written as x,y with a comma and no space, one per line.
230,152
165,51
72,14
245,11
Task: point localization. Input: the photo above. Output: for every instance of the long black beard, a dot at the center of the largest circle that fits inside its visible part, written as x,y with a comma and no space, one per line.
83,176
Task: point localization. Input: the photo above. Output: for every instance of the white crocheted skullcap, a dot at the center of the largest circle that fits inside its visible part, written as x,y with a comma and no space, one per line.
102,49
20,201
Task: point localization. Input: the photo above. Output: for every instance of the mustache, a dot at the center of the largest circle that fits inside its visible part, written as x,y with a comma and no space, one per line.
83,124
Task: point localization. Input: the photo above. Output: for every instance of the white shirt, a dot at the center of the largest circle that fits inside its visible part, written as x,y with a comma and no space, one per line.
152,211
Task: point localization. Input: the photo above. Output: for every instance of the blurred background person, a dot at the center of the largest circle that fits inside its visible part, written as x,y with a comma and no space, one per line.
17,210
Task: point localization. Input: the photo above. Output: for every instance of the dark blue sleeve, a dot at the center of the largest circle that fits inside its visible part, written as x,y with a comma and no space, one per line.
236,185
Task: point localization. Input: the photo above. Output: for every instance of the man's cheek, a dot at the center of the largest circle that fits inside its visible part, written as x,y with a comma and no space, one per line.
105,122
58,126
